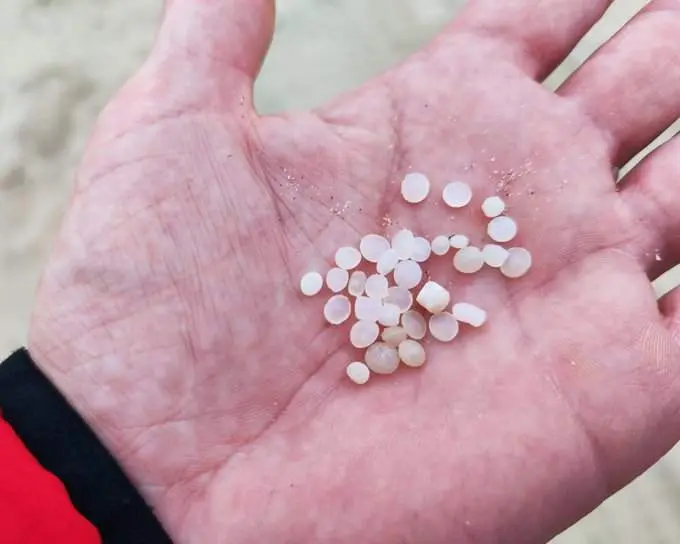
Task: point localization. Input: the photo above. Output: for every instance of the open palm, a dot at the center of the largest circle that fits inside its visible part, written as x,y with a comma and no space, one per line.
170,315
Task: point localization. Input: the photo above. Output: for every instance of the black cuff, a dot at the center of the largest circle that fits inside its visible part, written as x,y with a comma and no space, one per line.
63,443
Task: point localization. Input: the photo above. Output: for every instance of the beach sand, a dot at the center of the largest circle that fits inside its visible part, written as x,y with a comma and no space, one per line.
61,61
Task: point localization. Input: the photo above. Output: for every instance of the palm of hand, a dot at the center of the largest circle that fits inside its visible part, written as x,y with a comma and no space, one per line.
222,391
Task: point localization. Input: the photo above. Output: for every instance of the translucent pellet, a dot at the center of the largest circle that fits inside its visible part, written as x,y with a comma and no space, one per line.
404,243
433,297
494,255
415,187
387,262
443,327
393,336
358,372
337,310
459,241
493,206
401,297
502,229
382,358
357,283
411,353
408,274
465,312
441,245
376,286
311,283
422,250
372,246
468,260
389,315
363,334
414,324
457,194
337,279
367,309
347,258
517,264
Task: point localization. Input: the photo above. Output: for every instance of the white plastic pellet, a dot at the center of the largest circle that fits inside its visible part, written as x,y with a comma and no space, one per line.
517,264
393,336
444,327
376,286
337,279
494,255
389,315
422,250
414,324
404,243
408,274
441,245
381,358
433,297
412,353
367,309
502,229
337,310
311,283
347,258
469,260
372,246
357,283
457,194
363,334
469,313
459,241
387,262
493,206
400,297
415,187
358,372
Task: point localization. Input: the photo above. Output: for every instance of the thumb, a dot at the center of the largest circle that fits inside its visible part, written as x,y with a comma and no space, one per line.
221,43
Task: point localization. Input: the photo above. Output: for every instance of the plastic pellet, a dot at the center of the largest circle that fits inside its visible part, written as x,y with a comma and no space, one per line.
422,250
414,324
444,327
441,245
468,260
337,279
415,187
404,243
381,358
387,262
412,353
400,297
363,334
469,313
494,255
372,246
367,309
502,229
376,286
358,372
393,336
311,283
517,264
493,206
347,258
459,241
457,194
433,297
408,274
337,310
357,283
389,315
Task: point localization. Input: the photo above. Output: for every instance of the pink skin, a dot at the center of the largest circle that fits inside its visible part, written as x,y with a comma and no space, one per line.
170,315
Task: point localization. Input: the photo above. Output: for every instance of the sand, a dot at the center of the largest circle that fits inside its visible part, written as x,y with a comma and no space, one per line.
61,61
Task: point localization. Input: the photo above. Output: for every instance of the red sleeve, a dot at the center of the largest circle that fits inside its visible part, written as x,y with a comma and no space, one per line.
34,505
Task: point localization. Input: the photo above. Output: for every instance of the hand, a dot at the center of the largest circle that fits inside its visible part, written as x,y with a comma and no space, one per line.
170,315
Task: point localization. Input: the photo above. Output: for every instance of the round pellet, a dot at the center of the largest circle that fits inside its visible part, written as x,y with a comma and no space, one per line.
443,327
404,243
493,206
468,260
357,283
502,229
422,250
367,309
393,336
376,286
441,245
381,358
412,353
387,262
401,297
465,312
494,255
459,241
389,315
433,297
414,324
372,246
311,283
363,334
337,310
337,279
415,187
517,264
408,274
457,194
347,258
358,372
